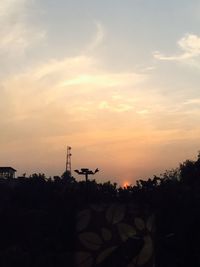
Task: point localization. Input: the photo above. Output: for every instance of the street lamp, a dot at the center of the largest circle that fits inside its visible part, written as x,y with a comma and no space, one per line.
86,172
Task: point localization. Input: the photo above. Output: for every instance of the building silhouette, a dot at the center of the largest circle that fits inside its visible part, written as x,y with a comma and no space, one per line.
7,172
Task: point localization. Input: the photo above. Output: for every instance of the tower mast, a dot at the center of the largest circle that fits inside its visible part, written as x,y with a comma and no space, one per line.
68,160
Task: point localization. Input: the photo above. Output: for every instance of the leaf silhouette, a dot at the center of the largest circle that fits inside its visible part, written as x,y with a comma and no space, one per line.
106,234
98,208
83,219
83,259
126,231
103,255
146,252
139,223
115,213
150,223
90,240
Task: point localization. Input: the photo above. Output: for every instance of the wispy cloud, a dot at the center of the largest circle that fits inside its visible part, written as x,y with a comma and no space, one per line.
97,38
190,47
115,107
193,101
52,83
17,34
143,111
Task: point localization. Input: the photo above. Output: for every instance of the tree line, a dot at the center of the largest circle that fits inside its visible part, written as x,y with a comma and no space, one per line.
38,215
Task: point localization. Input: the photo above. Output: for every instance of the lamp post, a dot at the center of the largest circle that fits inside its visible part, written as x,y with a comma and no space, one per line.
86,172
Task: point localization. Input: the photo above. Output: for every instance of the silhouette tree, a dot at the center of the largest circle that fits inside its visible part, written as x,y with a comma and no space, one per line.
190,171
66,176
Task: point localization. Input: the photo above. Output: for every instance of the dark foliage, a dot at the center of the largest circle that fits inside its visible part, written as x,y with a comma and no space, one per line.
38,215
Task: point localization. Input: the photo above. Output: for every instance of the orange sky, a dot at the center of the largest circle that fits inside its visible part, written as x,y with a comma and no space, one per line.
121,91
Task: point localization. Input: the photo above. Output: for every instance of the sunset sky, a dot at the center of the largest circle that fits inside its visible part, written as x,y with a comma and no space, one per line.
118,81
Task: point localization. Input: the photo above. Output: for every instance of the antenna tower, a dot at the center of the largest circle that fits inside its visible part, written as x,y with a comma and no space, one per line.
68,160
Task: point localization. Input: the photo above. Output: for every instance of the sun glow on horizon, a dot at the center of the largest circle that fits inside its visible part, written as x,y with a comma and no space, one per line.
126,184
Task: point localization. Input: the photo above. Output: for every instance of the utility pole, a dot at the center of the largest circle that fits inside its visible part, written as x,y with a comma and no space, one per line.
68,160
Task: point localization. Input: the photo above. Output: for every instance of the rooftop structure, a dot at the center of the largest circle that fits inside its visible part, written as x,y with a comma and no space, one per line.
7,172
